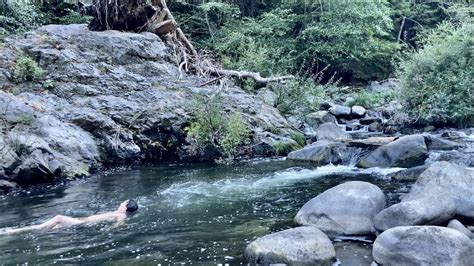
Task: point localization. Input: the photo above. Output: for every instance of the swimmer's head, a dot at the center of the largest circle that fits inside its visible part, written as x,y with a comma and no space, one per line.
128,206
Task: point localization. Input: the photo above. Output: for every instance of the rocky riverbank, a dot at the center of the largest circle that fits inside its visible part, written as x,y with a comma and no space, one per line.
105,99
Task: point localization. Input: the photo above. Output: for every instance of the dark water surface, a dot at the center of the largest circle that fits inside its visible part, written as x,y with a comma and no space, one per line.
193,214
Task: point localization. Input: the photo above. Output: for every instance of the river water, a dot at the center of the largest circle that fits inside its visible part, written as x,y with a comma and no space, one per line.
193,214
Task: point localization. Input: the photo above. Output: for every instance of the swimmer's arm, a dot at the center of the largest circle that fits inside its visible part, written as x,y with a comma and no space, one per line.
11,231
118,224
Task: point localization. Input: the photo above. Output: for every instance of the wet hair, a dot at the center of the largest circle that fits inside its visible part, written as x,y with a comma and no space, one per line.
132,205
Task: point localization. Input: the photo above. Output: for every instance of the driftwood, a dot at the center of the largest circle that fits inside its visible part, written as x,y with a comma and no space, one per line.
141,15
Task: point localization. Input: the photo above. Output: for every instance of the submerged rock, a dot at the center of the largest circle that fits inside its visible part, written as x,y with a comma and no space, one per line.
320,152
423,245
297,246
407,151
346,209
456,181
433,209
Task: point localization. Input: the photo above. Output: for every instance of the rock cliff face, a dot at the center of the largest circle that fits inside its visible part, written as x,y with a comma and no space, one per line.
105,98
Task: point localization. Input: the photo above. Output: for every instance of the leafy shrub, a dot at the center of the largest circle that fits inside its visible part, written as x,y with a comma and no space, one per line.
370,99
214,129
26,69
301,95
299,138
436,81
20,15
74,17
236,133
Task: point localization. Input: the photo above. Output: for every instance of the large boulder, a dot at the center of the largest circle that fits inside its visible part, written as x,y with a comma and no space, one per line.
340,110
455,180
407,151
320,152
427,210
330,131
346,209
297,246
423,245
123,100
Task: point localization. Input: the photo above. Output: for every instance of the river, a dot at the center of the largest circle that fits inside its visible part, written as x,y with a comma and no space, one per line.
189,213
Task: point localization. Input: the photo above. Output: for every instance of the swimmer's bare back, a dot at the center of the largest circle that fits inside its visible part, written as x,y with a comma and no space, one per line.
61,221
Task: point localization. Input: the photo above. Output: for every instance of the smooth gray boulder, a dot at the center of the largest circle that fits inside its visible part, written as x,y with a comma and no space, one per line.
346,209
297,246
358,111
458,226
428,210
330,131
407,151
423,245
320,152
455,180
340,110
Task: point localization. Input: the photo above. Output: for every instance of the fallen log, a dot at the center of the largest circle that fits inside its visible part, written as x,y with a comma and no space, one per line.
141,15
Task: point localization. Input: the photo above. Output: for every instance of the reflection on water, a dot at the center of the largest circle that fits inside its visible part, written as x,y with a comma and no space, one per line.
188,213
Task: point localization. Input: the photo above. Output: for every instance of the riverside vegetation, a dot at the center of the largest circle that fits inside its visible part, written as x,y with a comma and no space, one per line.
378,115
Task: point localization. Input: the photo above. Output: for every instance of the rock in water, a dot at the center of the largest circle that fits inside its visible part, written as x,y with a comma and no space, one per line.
427,210
455,180
423,245
330,131
346,209
320,152
407,151
297,246
410,174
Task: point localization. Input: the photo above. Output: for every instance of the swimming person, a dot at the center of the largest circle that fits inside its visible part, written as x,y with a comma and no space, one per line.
61,221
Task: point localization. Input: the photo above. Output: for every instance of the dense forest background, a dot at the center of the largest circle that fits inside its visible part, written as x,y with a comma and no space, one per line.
327,45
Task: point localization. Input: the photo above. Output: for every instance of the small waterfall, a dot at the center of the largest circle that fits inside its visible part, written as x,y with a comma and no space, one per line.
351,155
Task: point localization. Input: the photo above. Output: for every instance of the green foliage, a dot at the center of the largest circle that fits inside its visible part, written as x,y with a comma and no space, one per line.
74,17
301,95
214,129
299,138
26,69
20,15
370,99
236,133
437,80
17,16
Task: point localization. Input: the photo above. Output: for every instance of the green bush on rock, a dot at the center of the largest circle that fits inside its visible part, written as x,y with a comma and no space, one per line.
26,69
213,129
436,81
